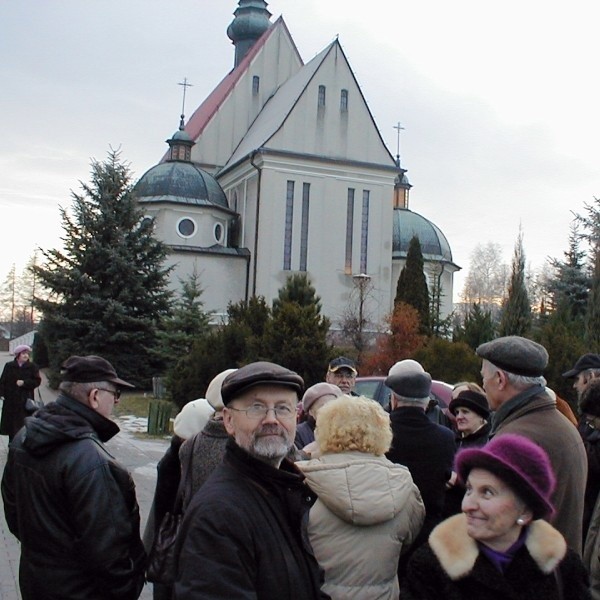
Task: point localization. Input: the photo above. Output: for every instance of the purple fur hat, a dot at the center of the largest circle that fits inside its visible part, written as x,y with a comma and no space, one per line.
518,462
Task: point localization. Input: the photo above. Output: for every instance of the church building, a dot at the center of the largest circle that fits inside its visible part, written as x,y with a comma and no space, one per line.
282,170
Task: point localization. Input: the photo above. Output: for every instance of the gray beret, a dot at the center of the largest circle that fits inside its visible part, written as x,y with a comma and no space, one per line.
410,384
516,355
259,373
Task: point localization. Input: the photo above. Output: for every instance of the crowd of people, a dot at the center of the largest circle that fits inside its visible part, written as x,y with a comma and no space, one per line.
285,492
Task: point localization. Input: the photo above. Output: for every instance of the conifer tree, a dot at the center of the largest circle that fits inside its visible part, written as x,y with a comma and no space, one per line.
477,328
412,285
516,313
107,288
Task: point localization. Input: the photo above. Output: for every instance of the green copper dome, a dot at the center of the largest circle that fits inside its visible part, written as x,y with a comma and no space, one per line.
407,224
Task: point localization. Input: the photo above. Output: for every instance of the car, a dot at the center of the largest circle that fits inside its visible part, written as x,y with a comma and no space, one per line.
374,387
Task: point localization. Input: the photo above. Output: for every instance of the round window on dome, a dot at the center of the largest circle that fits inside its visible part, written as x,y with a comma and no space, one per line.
219,232
186,227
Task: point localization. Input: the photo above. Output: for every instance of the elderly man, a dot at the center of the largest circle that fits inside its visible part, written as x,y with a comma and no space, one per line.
243,535
68,501
584,370
512,370
342,372
426,448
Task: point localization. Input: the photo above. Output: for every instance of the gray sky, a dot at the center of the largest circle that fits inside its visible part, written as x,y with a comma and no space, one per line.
498,101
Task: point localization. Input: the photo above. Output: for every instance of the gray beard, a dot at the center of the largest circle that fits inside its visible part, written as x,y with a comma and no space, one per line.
271,450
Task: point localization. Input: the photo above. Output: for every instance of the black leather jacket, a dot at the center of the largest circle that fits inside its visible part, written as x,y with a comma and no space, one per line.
73,507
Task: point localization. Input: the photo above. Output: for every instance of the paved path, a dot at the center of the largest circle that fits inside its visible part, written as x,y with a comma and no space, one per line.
138,455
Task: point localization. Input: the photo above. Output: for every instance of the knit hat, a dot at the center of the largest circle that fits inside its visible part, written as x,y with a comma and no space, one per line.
88,369
21,348
317,391
192,418
259,373
473,401
213,392
411,384
518,462
406,366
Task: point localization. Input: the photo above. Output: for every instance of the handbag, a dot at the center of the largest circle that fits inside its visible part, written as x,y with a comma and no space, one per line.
34,404
162,559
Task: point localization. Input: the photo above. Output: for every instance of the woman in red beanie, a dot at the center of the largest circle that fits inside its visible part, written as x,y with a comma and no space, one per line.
18,381
500,547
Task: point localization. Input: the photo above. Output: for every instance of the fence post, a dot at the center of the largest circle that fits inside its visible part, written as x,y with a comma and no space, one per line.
159,416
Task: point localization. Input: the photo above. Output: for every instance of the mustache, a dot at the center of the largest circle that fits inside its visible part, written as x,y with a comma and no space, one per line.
271,429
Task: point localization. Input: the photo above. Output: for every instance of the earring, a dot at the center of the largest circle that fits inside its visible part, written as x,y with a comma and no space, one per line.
521,521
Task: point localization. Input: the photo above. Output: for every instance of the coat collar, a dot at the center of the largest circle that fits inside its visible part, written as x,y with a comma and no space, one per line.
457,552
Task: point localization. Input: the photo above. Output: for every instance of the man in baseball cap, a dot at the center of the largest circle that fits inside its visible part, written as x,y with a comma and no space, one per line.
584,370
342,372
64,491
512,372
252,506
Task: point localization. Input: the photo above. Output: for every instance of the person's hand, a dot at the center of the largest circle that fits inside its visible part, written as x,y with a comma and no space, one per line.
20,382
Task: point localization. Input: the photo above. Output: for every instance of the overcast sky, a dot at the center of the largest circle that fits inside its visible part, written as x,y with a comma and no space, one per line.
499,102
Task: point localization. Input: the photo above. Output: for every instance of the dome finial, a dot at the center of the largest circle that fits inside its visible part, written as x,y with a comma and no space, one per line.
251,21
185,85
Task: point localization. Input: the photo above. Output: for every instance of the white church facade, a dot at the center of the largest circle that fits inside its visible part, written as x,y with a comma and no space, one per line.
282,170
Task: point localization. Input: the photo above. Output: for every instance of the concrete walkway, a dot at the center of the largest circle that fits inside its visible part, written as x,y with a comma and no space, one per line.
139,456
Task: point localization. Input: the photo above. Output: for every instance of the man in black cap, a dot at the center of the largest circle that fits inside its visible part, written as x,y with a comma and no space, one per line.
426,448
512,372
342,372
68,501
584,370
243,535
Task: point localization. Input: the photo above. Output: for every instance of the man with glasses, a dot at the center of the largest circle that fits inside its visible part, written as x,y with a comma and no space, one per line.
342,372
68,501
243,535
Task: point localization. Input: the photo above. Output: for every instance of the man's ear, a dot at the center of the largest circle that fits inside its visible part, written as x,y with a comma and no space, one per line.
502,379
228,421
92,401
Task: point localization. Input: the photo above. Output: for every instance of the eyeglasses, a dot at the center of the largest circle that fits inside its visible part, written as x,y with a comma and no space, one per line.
115,393
258,411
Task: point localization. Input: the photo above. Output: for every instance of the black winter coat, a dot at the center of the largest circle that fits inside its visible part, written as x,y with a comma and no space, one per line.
13,409
450,566
244,534
73,508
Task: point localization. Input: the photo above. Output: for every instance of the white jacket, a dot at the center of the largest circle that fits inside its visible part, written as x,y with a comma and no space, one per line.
369,511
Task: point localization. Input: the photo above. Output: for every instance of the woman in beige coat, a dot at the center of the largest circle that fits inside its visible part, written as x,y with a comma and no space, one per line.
369,510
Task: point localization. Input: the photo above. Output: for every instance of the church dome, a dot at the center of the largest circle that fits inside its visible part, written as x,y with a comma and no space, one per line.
180,182
407,224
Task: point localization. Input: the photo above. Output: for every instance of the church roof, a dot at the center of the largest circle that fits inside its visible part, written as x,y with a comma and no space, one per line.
434,245
182,183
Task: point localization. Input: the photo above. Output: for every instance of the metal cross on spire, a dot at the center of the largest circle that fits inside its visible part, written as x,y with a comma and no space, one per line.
399,128
185,85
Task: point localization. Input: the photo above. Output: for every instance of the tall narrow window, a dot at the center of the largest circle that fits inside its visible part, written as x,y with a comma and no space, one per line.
321,95
289,219
344,100
364,232
304,227
349,228
255,84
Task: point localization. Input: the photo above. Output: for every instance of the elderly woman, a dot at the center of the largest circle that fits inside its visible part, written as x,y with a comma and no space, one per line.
18,381
313,400
369,510
500,548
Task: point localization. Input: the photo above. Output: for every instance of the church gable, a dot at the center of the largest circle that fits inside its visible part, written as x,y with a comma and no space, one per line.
224,118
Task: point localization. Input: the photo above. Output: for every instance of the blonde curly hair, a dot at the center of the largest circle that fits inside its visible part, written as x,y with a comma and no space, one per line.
351,423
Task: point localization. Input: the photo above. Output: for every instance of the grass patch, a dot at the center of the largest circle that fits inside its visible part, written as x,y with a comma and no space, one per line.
137,405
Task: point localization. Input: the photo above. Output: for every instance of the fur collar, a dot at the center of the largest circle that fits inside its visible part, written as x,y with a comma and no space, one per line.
457,552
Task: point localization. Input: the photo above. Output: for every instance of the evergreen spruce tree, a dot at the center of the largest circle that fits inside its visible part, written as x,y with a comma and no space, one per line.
477,328
516,313
107,288
412,285
296,337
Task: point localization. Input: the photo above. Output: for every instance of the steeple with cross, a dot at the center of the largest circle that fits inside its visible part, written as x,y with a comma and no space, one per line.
401,184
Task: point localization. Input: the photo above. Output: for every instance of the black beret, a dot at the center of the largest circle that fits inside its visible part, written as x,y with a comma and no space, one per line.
259,373
472,400
88,369
516,355
410,384
585,362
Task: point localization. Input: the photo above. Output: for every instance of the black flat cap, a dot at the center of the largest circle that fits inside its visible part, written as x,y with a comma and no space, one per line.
259,373
585,362
411,384
88,369
473,400
515,354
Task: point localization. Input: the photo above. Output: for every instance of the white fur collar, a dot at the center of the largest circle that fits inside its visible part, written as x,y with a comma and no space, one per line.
457,552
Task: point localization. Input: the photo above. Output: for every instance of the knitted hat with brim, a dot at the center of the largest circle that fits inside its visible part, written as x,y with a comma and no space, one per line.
518,462
473,401
21,348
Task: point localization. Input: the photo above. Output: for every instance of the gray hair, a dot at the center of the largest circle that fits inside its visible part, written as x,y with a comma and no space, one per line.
520,382
79,390
418,402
